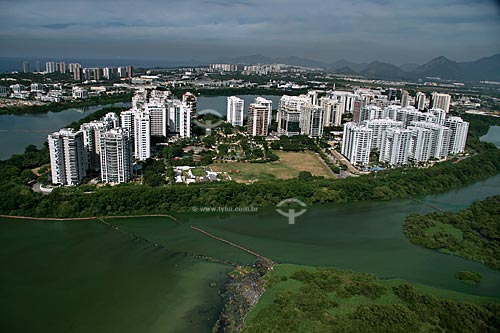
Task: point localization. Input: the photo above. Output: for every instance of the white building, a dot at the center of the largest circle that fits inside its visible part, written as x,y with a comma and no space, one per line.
258,123
112,119
440,138
421,144
420,101
357,143
67,157
116,156
395,146
36,87
50,67
459,130
332,111
379,126
142,136
158,118
179,118
235,108
312,120
441,101
91,133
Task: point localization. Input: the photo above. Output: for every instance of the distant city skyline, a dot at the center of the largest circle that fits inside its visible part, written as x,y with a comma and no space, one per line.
203,30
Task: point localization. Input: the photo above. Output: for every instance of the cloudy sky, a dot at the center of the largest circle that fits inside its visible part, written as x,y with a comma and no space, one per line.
397,31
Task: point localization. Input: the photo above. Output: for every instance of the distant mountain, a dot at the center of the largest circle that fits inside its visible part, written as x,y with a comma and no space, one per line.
378,69
346,71
342,63
441,67
487,68
409,67
260,59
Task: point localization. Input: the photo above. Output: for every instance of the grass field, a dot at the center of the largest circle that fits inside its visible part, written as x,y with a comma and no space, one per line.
288,166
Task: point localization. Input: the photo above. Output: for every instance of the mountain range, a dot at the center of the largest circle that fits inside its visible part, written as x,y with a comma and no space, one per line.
487,68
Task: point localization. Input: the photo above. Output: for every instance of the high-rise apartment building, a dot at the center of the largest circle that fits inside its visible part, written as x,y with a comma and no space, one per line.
441,101
158,118
142,136
421,144
395,146
440,138
191,100
116,156
420,101
404,98
459,129
50,67
357,143
26,67
235,108
379,126
91,135
268,103
67,157
258,124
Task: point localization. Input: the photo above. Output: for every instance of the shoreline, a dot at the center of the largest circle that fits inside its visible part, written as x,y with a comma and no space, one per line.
85,218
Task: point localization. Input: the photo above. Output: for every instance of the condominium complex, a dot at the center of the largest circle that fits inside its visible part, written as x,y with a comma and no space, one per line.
67,157
298,115
235,108
404,134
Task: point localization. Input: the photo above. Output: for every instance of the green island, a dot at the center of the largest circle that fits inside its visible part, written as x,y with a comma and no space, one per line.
309,299
469,277
473,233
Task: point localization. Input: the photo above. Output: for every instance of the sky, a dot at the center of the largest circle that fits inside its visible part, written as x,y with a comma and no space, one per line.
396,31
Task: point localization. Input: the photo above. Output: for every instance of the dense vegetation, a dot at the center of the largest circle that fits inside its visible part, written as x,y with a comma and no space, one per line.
473,233
469,277
57,107
304,299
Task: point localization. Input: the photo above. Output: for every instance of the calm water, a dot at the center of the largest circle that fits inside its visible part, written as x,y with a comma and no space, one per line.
219,103
493,135
19,131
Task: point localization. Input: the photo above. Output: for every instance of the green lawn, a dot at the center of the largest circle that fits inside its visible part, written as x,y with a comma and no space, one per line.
288,166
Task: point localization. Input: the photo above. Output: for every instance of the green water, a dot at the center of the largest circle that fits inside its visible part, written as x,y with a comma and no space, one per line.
86,277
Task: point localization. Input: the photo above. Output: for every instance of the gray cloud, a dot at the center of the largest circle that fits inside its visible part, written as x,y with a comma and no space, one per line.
387,30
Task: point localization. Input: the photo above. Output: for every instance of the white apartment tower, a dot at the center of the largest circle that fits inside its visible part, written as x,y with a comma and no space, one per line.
235,108
440,138
459,129
312,120
395,146
116,156
421,144
420,101
142,136
357,143
441,101
379,126
179,118
158,118
91,135
67,157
